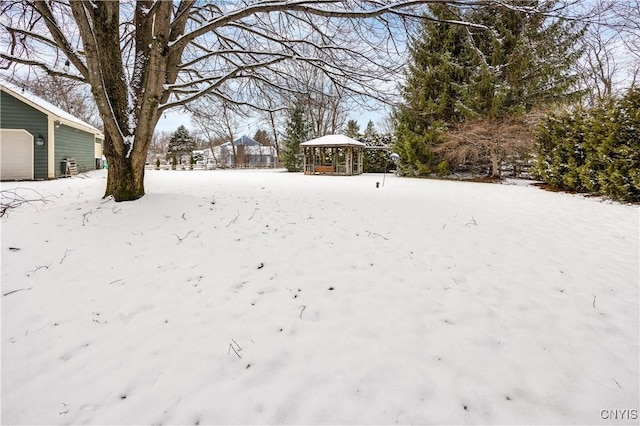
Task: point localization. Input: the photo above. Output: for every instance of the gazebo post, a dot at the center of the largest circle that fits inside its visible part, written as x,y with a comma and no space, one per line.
334,159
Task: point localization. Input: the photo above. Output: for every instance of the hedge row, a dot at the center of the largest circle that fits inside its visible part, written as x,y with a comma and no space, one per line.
594,150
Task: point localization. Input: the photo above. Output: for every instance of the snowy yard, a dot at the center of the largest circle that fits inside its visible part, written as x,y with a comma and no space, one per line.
266,297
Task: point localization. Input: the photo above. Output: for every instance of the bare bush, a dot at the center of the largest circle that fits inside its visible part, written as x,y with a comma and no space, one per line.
490,141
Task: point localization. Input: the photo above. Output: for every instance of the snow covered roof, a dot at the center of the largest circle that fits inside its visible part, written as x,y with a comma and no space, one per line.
333,140
48,108
242,140
248,149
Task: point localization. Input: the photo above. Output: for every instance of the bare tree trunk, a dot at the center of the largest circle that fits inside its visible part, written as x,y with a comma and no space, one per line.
125,175
125,181
213,153
495,168
276,143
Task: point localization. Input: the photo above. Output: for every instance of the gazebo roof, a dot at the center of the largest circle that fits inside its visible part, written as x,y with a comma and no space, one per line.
333,140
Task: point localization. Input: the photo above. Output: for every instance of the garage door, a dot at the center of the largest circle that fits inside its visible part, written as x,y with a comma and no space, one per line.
16,154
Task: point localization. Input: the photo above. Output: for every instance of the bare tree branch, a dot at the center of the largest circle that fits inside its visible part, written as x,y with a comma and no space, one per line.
142,58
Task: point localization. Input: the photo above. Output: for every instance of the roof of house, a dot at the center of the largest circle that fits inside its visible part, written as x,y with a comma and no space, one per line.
333,140
243,140
48,108
249,149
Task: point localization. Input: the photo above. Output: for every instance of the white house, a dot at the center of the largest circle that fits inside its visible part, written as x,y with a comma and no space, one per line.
242,152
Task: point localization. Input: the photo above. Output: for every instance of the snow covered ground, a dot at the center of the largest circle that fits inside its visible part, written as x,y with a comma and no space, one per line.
262,297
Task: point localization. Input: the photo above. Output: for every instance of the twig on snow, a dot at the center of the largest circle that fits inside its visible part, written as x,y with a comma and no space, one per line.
183,238
594,300
66,252
376,234
37,268
234,219
84,217
254,213
616,382
64,412
11,198
15,291
234,349
473,222
303,308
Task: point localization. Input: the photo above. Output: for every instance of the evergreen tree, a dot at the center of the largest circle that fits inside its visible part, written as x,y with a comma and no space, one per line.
262,137
377,160
370,130
352,129
520,62
432,91
181,143
593,150
297,131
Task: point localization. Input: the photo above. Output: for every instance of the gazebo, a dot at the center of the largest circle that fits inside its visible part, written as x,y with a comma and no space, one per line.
334,155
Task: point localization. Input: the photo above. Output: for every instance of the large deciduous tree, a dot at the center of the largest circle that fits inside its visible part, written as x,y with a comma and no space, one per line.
144,57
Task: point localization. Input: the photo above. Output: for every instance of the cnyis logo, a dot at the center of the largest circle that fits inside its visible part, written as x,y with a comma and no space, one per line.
618,414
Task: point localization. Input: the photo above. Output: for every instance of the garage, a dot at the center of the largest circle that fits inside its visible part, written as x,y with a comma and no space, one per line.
16,154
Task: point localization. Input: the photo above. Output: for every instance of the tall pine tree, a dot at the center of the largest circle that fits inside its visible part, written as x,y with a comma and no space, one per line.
433,88
352,129
297,131
520,60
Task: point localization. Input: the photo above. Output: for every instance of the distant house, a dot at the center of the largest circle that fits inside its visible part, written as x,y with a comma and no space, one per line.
38,139
242,152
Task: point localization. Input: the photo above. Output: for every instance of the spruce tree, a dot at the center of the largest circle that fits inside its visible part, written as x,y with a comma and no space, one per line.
262,137
181,143
352,129
370,130
297,131
432,91
520,60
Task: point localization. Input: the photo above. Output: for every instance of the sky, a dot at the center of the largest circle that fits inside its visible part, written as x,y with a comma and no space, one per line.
171,120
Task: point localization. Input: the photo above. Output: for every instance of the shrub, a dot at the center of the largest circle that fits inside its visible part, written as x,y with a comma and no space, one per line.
593,150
